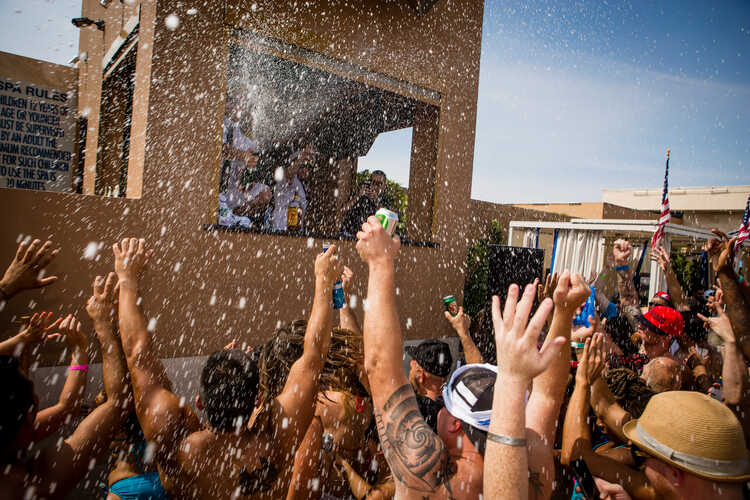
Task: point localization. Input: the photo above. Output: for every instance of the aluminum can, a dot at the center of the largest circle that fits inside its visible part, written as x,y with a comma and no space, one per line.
449,301
338,295
388,219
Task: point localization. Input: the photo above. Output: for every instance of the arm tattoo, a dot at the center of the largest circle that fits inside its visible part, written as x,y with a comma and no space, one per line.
416,455
535,484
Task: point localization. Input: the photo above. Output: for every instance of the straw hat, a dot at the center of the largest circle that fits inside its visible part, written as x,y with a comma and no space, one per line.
692,432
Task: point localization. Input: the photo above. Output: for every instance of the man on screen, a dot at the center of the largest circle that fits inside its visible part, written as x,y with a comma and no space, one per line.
365,203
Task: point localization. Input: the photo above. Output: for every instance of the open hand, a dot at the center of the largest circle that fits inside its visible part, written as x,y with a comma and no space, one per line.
719,324
570,293
70,329
375,245
41,328
545,291
101,305
130,260
661,257
622,252
721,251
347,275
592,361
516,337
26,267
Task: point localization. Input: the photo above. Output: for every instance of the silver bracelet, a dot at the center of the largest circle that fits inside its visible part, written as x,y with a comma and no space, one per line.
508,440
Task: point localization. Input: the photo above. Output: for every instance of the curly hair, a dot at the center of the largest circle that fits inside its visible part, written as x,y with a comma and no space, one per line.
629,390
344,360
277,357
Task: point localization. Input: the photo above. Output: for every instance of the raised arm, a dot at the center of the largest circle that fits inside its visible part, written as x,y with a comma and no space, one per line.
297,399
163,420
26,270
51,419
722,256
545,401
461,323
347,319
733,371
102,309
61,466
577,433
622,253
506,459
661,257
415,454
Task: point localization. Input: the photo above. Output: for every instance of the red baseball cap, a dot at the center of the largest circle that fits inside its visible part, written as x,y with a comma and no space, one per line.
663,320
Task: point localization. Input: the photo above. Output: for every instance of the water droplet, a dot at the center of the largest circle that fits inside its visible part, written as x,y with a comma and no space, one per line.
172,22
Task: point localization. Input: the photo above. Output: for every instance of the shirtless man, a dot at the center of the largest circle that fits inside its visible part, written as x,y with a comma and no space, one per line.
228,458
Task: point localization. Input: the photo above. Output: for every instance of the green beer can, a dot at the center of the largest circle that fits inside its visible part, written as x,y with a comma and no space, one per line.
388,219
449,301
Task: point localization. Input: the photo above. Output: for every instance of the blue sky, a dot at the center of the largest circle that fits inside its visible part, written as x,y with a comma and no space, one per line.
574,97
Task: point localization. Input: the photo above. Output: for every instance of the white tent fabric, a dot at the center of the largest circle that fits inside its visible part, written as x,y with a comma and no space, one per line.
580,251
530,238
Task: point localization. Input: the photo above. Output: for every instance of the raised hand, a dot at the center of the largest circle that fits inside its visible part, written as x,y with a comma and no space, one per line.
545,291
70,329
101,305
375,245
516,337
26,268
41,328
721,251
719,324
591,363
460,322
570,293
622,252
131,258
347,275
327,265
581,333
661,257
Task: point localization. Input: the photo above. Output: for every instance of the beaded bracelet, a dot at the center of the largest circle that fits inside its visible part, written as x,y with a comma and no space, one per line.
83,368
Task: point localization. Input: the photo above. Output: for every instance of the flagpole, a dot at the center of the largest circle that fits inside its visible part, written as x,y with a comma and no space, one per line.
656,280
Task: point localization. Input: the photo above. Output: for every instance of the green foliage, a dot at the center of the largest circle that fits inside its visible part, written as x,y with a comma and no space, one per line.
394,195
478,268
688,272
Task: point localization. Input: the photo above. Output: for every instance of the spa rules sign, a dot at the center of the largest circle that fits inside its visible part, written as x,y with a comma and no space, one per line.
37,130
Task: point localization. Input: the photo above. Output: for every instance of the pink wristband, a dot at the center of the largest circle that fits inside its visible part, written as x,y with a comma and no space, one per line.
83,368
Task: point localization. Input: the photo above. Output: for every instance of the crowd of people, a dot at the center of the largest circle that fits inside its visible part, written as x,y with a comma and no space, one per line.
633,402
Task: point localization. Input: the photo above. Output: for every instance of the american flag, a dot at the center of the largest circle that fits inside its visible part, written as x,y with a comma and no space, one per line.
744,230
665,213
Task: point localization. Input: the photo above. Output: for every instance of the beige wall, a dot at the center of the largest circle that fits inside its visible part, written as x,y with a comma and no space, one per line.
709,198
197,278
589,210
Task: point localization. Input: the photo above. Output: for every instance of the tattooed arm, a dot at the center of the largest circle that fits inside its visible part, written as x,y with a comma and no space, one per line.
415,454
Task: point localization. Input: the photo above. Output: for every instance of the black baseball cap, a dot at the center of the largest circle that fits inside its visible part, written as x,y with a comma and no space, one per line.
432,355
